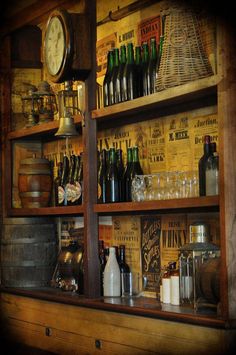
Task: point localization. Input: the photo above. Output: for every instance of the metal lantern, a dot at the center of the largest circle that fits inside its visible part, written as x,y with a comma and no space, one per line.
30,106
68,100
67,108
199,264
47,102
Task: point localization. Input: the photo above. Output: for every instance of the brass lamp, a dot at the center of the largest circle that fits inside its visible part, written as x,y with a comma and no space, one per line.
67,108
47,102
30,106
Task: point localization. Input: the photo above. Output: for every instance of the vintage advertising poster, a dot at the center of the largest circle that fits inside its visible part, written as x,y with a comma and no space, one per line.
150,249
201,126
156,146
103,46
178,149
124,137
126,230
173,236
149,28
105,230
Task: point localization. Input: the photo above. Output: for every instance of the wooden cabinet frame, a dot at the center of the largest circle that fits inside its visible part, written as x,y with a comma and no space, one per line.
221,87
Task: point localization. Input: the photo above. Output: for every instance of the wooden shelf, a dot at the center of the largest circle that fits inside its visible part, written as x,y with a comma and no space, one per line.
46,211
40,129
183,93
209,202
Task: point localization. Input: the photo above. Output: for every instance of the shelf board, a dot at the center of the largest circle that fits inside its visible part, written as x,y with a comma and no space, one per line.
40,129
46,211
160,205
178,94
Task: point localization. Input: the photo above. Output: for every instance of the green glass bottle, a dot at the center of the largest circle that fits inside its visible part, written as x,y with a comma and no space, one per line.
119,94
138,68
57,182
152,66
120,167
145,61
129,75
127,175
102,177
62,197
80,180
114,73
107,78
69,185
74,189
112,186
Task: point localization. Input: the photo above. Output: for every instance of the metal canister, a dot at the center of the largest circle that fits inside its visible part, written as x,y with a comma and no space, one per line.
199,232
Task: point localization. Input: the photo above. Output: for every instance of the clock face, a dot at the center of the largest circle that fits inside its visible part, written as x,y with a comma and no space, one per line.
54,46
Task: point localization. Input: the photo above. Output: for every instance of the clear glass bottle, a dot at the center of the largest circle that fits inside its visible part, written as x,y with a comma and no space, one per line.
112,284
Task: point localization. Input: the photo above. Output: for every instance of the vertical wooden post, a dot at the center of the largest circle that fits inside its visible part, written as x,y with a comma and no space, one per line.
92,274
227,135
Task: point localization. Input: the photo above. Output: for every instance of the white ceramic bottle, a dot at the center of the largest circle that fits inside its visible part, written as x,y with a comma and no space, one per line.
111,281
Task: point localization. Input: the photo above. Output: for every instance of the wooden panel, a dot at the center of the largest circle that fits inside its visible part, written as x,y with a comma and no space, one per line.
73,329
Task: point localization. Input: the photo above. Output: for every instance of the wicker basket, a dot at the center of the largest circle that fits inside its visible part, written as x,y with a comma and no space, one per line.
183,56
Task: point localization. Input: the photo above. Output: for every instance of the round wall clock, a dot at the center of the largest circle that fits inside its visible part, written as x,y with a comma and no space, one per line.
58,45
66,46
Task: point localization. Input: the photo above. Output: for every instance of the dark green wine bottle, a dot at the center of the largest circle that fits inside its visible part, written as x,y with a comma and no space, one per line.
112,186
138,68
120,167
80,180
74,189
102,177
107,78
119,94
145,61
152,66
62,197
124,267
114,73
127,177
70,183
129,75
57,182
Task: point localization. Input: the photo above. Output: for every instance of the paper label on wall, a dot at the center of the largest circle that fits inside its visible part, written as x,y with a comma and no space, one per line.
149,28
173,236
150,249
126,230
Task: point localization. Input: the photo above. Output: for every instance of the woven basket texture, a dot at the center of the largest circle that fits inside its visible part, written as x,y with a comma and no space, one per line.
183,56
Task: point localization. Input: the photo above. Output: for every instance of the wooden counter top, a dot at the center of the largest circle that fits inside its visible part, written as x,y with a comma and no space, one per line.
141,306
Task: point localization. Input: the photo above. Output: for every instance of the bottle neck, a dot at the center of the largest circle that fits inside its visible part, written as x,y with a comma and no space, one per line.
153,50
138,55
116,57
110,60
145,56
135,155
129,156
122,54
112,157
130,55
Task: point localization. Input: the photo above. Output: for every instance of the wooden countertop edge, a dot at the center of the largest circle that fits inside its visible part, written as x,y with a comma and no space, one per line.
101,304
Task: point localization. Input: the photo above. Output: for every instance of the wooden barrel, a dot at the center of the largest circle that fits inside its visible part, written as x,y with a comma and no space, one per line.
209,280
28,252
35,182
